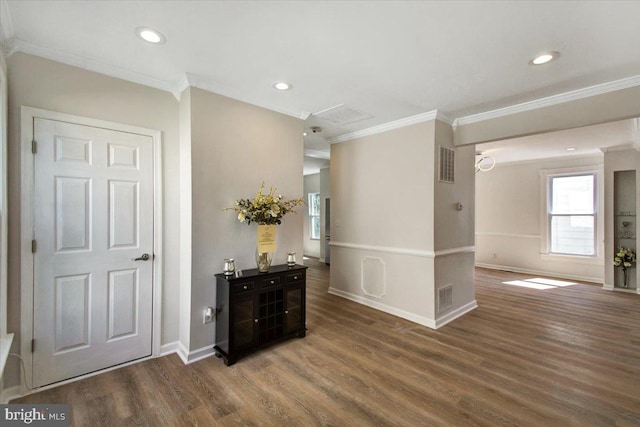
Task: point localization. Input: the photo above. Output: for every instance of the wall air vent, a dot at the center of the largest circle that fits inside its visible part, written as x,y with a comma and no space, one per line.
342,115
447,165
445,298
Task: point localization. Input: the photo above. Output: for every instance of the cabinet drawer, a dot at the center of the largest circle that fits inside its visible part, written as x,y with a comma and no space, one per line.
271,281
244,286
295,277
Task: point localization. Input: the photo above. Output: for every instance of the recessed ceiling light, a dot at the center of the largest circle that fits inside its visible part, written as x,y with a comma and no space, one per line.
544,58
570,149
150,35
304,134
282,85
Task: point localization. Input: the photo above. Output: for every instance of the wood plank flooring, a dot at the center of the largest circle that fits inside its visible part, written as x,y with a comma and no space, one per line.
563,356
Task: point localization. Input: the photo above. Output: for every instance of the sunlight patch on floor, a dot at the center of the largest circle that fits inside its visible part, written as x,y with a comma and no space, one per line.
540,283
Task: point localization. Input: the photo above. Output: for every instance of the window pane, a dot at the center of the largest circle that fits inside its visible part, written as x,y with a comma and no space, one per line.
573,235
315,227
572,194
314,203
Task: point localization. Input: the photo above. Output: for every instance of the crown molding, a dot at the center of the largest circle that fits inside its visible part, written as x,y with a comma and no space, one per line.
396,124
175,88
89,64
549,101
6,23
209,85
621,147
180,86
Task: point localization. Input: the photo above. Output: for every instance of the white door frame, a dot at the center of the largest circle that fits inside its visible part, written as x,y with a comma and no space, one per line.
27,116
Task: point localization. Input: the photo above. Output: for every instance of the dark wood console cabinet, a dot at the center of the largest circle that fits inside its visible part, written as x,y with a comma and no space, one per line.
258,309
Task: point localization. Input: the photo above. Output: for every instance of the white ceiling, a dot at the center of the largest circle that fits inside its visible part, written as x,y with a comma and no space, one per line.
389,60
588,140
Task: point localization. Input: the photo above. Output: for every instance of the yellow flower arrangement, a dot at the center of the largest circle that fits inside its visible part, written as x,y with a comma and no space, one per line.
264,208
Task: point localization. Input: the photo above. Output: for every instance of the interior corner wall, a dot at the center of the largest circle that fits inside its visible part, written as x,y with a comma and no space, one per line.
454,218
236,146
45,84
508,220
311,246
185,221
382,221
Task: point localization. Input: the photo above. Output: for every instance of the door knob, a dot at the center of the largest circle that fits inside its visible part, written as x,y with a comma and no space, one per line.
143,257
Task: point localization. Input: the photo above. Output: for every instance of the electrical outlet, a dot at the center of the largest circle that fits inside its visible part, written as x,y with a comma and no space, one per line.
208,315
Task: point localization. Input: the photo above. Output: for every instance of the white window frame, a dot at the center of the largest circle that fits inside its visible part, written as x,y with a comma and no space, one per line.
311,216
545,215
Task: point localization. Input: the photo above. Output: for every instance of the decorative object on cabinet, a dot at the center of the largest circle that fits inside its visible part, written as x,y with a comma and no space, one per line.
263,260
258,309
267,211
229,267
625,258
291,259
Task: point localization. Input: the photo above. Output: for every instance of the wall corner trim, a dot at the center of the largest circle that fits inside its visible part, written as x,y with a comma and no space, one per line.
169,348
189,357
453,315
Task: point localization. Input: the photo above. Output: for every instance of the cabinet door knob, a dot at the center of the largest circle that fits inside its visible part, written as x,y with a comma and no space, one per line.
286,312
245,286
255,320
273,281
295,277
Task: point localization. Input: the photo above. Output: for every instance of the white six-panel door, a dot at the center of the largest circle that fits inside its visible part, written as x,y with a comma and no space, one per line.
93,217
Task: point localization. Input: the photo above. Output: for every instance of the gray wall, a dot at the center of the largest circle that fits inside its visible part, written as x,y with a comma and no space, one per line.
40,83
234,147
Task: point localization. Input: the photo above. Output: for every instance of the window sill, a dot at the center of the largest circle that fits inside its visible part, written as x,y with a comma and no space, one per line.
573,259
5,346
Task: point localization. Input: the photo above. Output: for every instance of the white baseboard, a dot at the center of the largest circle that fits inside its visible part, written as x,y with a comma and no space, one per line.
320,259
169,348
189,357
11,393
18,391
540,272
613,288
421,320
458,312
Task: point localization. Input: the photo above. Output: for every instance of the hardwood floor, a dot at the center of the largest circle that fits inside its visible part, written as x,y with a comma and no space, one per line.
566,355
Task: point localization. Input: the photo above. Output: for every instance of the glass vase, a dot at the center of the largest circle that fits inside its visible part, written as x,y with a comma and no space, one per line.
263,260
